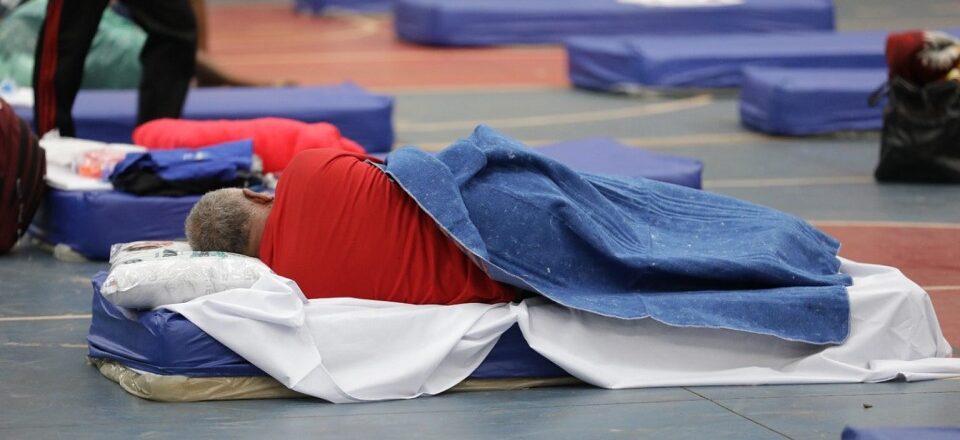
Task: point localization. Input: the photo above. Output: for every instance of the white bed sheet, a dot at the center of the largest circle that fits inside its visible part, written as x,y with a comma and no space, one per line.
347,350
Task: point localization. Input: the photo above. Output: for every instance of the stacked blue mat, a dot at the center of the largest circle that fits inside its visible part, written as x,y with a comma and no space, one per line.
709,61
110,115
89,222
359,6
501,22
810,101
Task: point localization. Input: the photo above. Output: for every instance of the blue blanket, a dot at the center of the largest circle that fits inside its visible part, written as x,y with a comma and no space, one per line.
629,248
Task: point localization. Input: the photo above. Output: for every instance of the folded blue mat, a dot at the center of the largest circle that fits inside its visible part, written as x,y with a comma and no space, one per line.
163,342
110,115
912,433
810,101
492,22
90,221
629,248
363,6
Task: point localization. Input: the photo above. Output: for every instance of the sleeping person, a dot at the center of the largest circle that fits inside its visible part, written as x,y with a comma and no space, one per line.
339,227
488,218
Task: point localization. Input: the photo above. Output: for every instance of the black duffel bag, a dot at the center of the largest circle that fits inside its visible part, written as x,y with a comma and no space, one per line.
921,133
22,168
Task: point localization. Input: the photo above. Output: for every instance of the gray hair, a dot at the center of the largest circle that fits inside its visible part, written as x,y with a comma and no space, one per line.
220,221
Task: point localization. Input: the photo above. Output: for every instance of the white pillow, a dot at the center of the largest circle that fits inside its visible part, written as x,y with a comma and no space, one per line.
143,250
168,276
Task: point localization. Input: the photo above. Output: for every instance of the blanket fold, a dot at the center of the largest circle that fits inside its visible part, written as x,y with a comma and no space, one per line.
629,248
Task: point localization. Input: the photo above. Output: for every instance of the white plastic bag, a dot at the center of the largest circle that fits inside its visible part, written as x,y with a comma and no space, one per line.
167,274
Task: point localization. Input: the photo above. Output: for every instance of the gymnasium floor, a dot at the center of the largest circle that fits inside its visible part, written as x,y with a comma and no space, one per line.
48,391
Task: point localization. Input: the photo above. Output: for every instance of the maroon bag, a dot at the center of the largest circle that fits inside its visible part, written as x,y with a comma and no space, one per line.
22,167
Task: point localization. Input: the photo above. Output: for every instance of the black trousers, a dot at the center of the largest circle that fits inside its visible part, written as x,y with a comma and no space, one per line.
168,58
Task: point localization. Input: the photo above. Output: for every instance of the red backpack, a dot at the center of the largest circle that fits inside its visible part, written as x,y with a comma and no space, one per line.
22,167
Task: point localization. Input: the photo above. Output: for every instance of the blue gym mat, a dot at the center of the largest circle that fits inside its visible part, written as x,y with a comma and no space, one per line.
495,22
902,433
358,6
110,115
607,156
787,101
623,63
89,222
713,60
163,342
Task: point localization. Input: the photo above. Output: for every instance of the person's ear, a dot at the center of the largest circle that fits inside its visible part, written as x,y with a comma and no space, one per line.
258,198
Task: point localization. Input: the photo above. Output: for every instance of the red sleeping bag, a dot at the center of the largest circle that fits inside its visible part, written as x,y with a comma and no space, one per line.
275,140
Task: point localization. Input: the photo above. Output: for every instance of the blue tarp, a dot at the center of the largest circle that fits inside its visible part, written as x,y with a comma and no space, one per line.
163,342
810,101
110,115
629,248
493,22
90,221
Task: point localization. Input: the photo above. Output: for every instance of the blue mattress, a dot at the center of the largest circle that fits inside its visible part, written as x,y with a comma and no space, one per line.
360,6
713,60
810,101
110,115
626,62
494,22
607,156
901,433
91,221
163,342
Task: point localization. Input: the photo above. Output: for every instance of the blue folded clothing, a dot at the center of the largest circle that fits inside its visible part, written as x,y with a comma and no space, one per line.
185,171
629,248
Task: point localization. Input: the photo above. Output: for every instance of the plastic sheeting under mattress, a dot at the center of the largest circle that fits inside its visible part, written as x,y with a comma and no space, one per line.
164,342
89,222
625,63
810,101
494,22
110,115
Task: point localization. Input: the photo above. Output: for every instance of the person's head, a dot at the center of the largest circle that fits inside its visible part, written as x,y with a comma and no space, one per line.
229,220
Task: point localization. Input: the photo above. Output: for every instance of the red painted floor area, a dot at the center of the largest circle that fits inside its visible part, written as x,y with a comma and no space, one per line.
930,256
271,42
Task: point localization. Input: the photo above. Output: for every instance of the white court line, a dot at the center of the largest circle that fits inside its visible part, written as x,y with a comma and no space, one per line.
940,288
564,118
44,318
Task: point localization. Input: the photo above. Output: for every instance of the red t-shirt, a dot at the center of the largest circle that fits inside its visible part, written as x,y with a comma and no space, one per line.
340,227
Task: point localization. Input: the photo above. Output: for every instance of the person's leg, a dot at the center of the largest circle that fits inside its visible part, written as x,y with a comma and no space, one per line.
62,46
168,57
